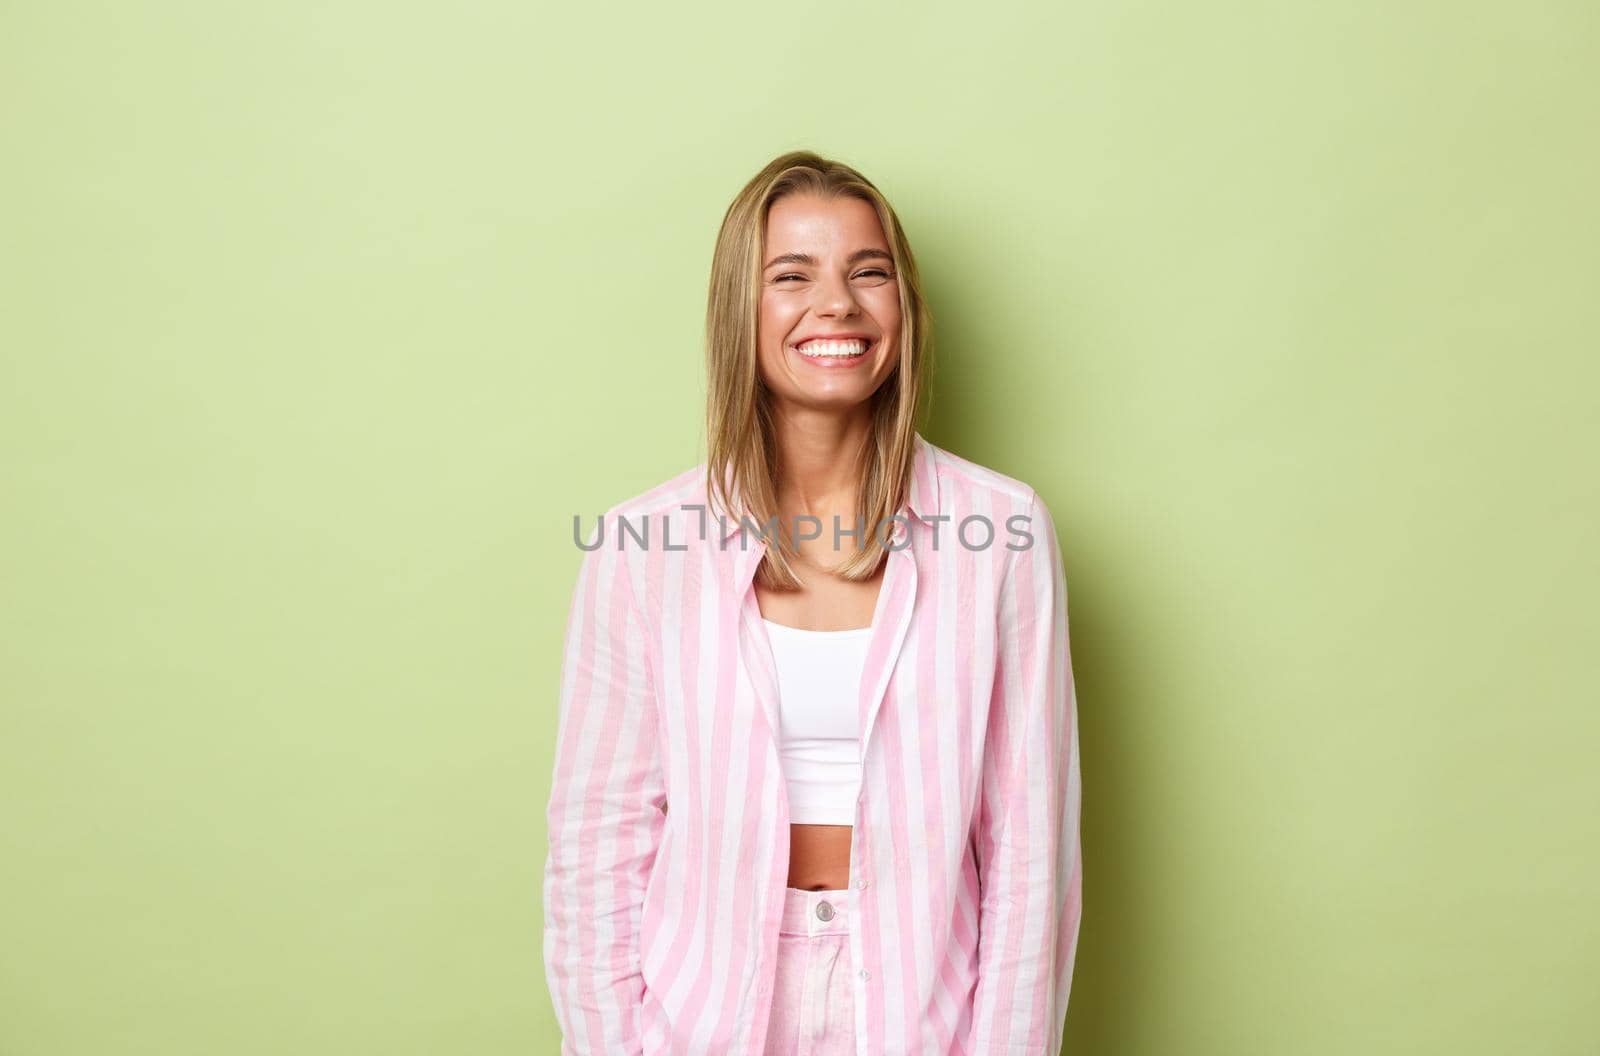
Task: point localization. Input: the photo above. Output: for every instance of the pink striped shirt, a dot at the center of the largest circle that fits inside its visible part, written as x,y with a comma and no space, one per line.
660,932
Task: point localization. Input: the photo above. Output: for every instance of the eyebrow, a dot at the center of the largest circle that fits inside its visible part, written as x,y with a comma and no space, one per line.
810,261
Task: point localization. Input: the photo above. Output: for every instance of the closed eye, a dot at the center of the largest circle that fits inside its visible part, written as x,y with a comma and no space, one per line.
859,274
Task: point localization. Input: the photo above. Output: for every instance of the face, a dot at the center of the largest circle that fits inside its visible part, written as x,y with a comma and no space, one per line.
829,327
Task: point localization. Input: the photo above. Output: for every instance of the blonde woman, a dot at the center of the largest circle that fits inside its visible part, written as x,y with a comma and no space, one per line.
817,780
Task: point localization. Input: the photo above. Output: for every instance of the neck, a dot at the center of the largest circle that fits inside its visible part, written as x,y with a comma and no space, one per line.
819,455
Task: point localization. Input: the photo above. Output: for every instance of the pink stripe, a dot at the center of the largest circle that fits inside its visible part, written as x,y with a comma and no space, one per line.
870,912
930,592
1039,687
964,915
711,817
577,663
1005,929
652,917
905,918
691,808
579,659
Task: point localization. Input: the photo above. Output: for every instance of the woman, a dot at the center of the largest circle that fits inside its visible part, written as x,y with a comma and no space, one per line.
817,780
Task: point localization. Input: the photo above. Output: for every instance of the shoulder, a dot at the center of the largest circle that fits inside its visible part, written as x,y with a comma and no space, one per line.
667,497
967,487
641,517
982,502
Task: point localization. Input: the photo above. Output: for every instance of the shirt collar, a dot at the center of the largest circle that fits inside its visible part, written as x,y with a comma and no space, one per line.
922,500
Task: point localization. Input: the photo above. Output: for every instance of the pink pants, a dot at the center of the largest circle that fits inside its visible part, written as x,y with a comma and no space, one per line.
813,996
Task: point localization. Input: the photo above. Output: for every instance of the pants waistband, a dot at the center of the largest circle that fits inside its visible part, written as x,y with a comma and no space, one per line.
816,912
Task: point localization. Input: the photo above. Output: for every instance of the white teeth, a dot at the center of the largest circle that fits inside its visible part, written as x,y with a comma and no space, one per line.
833,349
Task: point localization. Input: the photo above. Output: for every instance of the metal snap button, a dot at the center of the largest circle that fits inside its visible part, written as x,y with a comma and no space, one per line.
824,911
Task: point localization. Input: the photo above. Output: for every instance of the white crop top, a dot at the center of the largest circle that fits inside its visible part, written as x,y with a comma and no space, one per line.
819,686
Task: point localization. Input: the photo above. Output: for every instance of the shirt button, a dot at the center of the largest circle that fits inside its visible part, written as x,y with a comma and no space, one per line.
865,974
861,884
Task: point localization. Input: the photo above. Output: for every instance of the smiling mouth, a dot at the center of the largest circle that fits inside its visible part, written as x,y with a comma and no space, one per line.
853,348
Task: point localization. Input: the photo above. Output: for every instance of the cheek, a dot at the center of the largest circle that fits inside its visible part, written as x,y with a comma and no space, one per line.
772,326
886,309
772,322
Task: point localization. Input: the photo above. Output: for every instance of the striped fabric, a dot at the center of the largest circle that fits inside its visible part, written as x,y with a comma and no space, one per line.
668,818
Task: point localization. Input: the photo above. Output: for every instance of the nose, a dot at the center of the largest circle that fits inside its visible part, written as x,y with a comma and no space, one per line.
834,297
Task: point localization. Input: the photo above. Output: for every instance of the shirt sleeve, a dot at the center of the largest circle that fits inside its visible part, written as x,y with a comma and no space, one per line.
1027,830
606,811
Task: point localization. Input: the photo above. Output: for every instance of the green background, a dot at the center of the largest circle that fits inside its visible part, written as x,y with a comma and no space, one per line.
321,321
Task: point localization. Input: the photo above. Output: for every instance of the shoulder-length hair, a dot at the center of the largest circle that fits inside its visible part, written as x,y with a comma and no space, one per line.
741,460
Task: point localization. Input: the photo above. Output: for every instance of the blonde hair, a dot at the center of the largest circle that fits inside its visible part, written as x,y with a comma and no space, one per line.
740,437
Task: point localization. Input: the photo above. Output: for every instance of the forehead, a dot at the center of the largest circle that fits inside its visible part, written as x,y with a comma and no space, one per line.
805,222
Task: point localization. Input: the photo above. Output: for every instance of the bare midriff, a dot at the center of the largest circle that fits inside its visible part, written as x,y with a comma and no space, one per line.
819,857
